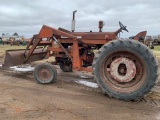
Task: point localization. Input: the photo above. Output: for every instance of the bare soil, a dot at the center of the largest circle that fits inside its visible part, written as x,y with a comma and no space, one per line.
21,98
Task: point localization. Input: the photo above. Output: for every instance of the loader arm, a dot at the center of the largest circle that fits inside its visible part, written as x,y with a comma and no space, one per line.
46,32
37,41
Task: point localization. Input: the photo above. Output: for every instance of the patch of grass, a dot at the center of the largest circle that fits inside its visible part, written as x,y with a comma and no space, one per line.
156,52
3,48
157,48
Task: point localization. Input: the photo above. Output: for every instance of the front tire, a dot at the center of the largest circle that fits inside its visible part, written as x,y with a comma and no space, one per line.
45,73
125,69
66,66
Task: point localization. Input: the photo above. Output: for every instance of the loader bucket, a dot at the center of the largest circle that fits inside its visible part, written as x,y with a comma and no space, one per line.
17,57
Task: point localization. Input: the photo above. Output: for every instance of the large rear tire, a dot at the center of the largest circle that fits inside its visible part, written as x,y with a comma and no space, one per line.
45,73
125,69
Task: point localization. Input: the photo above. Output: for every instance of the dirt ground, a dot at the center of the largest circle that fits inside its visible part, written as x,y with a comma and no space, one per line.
21,98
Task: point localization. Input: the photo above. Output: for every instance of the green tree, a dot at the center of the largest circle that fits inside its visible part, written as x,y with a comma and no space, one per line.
15,34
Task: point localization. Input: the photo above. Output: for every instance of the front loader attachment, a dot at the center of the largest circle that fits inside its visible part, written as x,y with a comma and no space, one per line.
18,57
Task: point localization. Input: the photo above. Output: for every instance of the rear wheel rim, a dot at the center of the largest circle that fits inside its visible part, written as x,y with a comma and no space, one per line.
127,86
122,69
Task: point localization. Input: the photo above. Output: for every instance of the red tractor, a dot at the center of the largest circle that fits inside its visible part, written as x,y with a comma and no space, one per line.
124,69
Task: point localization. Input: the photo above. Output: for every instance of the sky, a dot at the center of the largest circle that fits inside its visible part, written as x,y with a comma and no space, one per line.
26,17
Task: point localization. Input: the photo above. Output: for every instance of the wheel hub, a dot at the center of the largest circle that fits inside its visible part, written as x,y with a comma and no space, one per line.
44,74
123,69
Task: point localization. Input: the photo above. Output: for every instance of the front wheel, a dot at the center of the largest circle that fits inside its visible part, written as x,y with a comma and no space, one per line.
66,66
45,73
125,69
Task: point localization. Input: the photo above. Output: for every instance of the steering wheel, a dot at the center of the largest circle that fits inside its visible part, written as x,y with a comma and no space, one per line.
123,27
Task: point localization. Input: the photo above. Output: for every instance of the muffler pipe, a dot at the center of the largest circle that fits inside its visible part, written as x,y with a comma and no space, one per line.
73,21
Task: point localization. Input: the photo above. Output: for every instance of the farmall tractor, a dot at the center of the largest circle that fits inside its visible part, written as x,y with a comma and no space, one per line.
124,69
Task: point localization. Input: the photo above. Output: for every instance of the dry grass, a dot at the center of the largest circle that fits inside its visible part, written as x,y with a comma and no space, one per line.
157,48
156,52
3,48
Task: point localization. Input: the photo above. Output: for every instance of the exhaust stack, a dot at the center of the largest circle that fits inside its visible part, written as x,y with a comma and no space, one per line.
73,21
101,24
